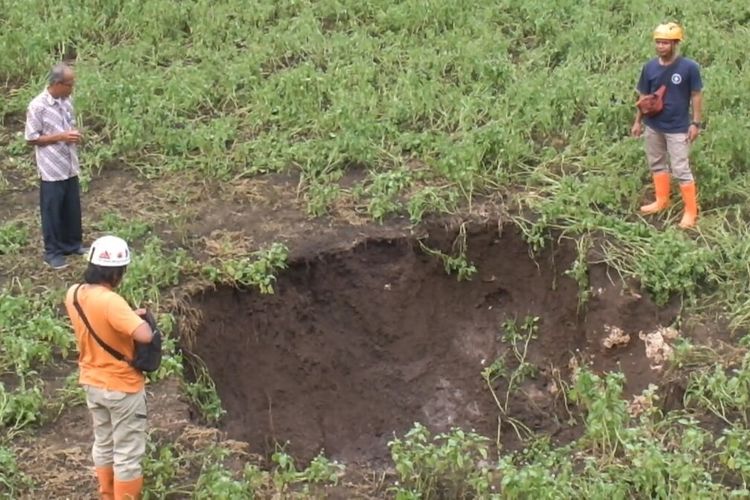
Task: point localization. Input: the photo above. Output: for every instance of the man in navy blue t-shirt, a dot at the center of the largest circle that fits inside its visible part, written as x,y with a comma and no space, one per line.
669,133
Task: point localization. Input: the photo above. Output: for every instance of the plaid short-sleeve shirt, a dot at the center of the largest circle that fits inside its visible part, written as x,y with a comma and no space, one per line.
46,116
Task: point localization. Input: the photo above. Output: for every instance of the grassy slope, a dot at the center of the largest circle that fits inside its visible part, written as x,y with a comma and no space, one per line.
436,102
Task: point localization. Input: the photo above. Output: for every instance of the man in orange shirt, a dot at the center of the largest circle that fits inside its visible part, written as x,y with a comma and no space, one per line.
115,392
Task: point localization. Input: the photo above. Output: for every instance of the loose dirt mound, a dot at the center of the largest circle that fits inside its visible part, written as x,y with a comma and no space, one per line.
358,345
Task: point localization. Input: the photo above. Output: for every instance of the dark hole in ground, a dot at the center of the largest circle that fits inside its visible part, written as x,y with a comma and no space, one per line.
357,345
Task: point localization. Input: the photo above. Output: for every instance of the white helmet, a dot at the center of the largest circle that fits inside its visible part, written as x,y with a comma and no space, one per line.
109,251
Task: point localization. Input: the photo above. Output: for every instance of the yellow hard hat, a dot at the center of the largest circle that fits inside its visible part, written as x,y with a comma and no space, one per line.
669,31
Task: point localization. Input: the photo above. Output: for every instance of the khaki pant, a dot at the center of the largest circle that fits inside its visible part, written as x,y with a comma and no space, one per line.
120,426
661,147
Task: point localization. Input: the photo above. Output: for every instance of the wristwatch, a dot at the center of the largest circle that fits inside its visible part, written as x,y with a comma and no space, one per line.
697,124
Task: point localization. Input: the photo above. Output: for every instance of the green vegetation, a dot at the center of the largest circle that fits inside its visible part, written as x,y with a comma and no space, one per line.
443,466
203,395
12,481
166,464
172,359
153,269
439,105
517,337
13,237
618,456
20,408
32,331
457,263
129,230
258,269
723,390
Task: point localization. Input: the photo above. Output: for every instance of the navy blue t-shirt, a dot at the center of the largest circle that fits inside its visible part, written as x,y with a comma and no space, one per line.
685,78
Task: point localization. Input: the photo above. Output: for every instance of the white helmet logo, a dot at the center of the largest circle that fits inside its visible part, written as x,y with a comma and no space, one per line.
109,251
676,78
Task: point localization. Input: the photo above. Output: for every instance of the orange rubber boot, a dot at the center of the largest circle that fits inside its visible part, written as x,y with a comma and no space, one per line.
106,477
689,198
128,490
662,182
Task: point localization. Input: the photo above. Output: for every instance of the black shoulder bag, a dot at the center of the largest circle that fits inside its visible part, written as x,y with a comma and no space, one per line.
147,356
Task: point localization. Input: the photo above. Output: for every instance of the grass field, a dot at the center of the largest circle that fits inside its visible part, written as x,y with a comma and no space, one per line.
433,107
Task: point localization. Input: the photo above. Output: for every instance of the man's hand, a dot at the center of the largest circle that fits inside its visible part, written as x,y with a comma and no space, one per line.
147,316
637,129
71,136
693,132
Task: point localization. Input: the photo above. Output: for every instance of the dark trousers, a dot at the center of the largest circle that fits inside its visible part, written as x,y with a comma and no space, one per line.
60,204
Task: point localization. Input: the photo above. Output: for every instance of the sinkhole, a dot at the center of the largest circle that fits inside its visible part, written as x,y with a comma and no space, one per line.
356,345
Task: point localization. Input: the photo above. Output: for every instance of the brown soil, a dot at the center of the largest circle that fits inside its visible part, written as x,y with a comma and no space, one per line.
359,343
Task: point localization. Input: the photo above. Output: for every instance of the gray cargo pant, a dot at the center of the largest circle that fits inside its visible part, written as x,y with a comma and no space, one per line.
668,152
120,426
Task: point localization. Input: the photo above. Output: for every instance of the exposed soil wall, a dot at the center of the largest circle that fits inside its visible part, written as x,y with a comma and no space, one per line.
357,345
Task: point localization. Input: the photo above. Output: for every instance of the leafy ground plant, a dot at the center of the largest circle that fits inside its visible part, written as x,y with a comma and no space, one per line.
20,408
203,395
172,361
32,331
224,472
448,465
457,263
13,237
258,269
12,480
129,230
517,338
152,268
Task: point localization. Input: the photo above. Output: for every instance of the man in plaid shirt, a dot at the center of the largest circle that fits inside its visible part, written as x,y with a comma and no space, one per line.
51,129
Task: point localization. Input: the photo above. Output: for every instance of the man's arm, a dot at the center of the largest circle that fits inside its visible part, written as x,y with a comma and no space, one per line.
34,129
143,333
126,321
697,103
696,98
69,136
637,129
642,88
638,113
